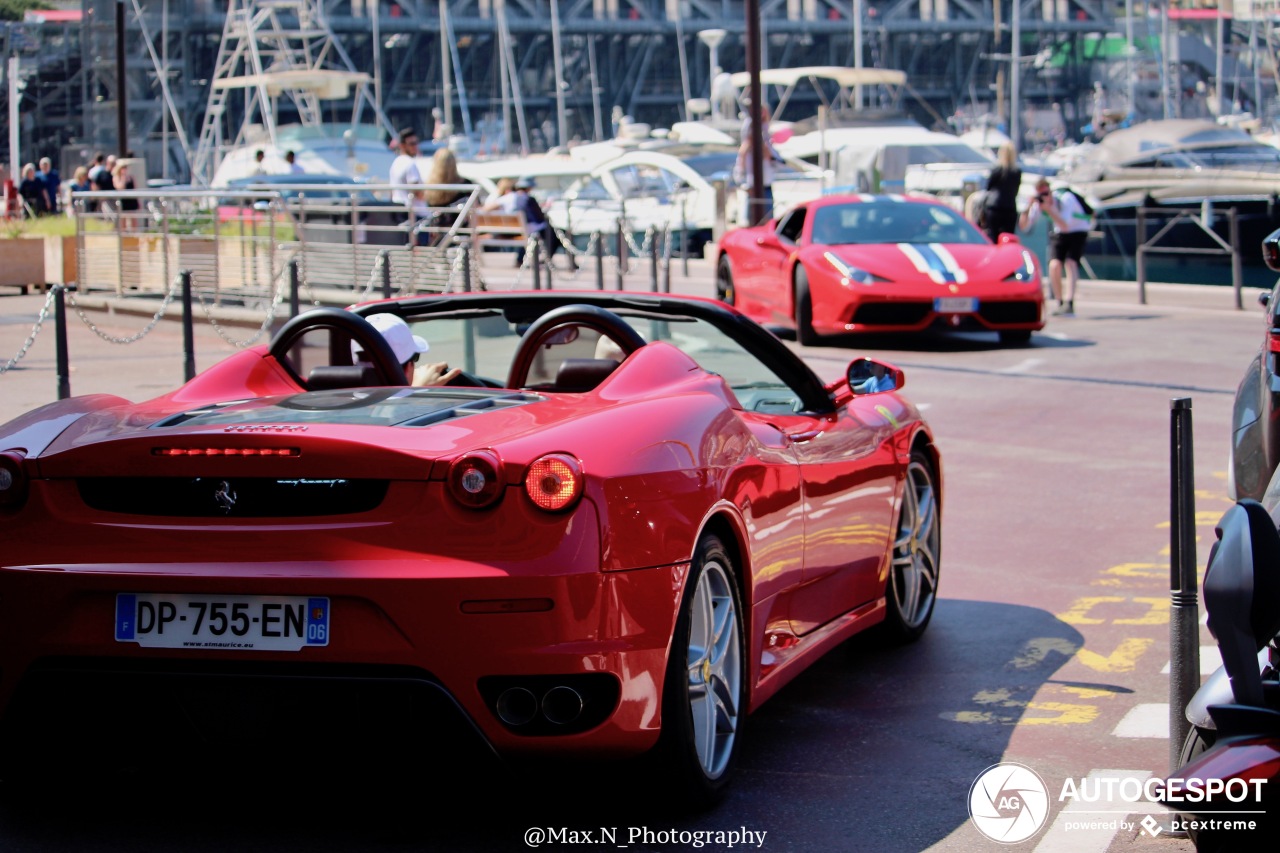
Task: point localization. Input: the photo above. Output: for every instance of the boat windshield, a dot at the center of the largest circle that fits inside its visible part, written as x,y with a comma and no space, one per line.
1252,157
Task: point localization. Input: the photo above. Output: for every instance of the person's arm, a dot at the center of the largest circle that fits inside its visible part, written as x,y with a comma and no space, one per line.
434,374
1029,216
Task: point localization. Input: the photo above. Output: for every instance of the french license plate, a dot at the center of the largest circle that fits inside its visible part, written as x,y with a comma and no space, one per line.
254,622
955,305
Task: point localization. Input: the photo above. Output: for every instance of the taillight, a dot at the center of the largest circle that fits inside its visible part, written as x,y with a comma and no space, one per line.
13,480
554,482
476,480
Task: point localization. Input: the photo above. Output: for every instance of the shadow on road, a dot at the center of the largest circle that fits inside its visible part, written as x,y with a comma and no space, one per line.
871,749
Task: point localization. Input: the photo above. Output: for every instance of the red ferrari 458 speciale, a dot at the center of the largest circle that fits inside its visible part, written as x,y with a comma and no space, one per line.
630,520
879,263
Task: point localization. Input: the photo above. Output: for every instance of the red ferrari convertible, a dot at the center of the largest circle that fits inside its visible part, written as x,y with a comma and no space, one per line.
879,263
634,518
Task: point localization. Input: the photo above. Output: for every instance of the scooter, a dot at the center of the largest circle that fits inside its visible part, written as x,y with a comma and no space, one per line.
1228,794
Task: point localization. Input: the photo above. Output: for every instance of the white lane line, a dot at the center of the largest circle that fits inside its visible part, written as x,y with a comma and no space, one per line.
1100,818
1149,720
1023,366
1210,659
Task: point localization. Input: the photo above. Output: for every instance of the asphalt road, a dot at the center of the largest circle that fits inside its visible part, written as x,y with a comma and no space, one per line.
1047,647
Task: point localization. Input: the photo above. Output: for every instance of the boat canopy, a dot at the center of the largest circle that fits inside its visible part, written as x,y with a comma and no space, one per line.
846,78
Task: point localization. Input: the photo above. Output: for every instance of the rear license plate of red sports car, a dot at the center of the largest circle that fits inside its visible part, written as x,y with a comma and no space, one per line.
253,622
955,305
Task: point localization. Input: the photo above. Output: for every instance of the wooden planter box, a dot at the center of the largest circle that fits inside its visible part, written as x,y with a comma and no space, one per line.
22,262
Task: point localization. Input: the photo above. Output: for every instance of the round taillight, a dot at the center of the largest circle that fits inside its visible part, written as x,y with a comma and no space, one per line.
13,480
475,480
554,481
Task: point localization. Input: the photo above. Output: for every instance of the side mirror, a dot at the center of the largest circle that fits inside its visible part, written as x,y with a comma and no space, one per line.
870,376
1264,298
1271,250
1006,238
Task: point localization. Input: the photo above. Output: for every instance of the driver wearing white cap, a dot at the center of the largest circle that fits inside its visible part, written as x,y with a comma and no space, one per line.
407,348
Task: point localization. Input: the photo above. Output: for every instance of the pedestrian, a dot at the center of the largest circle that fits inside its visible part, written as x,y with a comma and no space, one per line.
52,183
1069,226
744,170
404,173
1000,207
446,204
34,200
294,168
122,181
259,165
104,178
536,223
96,171
80,183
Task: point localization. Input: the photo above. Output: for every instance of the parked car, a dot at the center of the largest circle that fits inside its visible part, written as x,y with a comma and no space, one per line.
322,206
638,518
1255,436
884,263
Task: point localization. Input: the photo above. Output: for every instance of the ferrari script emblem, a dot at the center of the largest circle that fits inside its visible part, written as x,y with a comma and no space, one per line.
225,496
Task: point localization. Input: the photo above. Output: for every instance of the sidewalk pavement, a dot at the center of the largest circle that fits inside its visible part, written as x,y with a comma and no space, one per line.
152,364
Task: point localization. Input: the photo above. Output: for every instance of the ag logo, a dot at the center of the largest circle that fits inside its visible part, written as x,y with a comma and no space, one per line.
1008,803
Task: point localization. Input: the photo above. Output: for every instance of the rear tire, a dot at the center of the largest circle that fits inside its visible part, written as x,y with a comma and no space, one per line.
704,698
724,281
912,589
805,334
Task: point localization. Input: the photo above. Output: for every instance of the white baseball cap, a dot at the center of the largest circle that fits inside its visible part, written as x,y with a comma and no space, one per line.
404,343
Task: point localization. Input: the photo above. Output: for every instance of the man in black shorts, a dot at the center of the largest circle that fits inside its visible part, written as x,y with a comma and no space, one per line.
1068,233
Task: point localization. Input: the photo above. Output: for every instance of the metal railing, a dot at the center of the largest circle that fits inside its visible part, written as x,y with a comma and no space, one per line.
238,243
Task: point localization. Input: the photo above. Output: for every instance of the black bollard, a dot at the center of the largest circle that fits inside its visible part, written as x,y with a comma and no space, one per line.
622,254
188,329
384,260
653,260
666,260
535,260
598,239
466,269
1184,618
295,283
64,361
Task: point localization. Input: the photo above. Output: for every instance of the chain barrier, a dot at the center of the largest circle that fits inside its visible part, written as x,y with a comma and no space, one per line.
375,275
272,308
643,249
35,330
132,339
567,244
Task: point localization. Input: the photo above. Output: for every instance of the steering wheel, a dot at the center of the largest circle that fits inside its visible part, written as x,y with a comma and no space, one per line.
591,316
370,339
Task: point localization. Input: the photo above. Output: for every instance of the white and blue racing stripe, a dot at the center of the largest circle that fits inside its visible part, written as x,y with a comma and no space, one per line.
935,261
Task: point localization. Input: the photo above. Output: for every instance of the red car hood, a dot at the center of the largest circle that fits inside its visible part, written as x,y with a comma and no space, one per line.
930,263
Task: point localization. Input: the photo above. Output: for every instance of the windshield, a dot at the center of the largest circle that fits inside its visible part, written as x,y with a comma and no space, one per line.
484,343
888,221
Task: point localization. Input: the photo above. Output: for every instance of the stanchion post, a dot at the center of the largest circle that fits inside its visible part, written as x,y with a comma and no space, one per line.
295,284
666,260
384,264
535,261
653,259
63,359
1237,271
598,239
622,253
466,268
188,329
1140,253
1184,617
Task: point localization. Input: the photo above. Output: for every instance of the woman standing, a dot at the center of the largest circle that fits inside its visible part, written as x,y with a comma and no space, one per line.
1001,205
